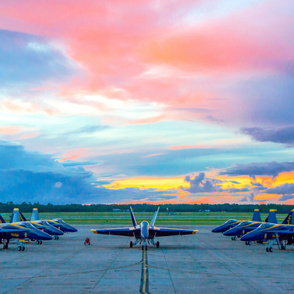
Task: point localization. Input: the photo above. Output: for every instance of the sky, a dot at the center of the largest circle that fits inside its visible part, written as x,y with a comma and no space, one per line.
147,101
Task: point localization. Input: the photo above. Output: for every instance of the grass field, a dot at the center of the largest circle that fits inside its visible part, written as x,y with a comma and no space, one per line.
123,218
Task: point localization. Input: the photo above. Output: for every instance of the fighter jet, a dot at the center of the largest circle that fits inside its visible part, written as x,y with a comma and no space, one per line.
18,217
231,223
144,233
247,226
23,234
282,234
57,223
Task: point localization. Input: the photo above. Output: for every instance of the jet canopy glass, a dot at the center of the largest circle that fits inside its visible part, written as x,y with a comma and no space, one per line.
230,221
265,225
244,223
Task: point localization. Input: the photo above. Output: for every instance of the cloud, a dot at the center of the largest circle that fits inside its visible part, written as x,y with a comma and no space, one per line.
36,177
27,58
283,189
202,184
283,135
258,169
286,197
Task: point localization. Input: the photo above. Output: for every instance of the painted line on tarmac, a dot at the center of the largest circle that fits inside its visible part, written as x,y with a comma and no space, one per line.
144,285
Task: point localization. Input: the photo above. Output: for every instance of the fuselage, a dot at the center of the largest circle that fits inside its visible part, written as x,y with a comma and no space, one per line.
34,233
268,231
226,226
242,228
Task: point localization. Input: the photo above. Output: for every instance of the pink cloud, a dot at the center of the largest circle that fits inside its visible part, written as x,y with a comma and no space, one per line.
116,43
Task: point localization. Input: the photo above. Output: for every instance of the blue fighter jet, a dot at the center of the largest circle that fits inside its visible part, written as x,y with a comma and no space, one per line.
144,233
247,226
281,234
231,223
23,234
18,217
57,223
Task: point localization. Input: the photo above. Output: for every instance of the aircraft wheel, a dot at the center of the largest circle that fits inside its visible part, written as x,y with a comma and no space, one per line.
232,238
283,247
19,248
40,242
23,248
157,244
271,249
57,238
246,243
54,237
266,249
37,242
131,244
142,247
145,247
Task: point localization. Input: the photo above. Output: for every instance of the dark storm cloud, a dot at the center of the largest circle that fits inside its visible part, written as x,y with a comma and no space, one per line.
36,177
283,189
286,197
259,169
283,135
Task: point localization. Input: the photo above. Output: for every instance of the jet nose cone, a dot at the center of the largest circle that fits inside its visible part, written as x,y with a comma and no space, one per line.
73,229
230,232
217,229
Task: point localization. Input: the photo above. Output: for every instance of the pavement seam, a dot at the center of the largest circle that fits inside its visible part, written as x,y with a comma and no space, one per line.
168,271
108,268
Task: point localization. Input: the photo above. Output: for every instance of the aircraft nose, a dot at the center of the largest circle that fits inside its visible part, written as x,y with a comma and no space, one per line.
43,236
248,237
230,232
218,229
71,228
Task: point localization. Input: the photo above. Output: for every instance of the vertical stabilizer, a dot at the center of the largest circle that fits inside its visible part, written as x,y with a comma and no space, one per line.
154,218
15,216
2,221
35,215
272,218
22,218
256,216
289,220
133,217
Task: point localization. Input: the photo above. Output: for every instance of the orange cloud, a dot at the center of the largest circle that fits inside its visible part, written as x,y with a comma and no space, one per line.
10,130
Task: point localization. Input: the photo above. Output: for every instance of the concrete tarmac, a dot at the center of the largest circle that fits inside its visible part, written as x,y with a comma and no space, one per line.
201,263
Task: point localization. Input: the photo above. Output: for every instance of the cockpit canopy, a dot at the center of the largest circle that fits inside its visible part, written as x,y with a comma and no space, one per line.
265,226
230,221
244,223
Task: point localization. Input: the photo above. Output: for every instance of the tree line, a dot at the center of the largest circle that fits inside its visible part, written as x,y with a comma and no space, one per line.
144,207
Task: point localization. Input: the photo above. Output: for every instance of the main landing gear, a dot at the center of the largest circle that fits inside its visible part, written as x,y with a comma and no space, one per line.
234,238
5,243
56,237
38,242
21,246
157,244
144,247
247,243
131,244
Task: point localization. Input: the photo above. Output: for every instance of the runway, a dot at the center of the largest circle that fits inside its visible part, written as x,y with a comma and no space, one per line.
204,262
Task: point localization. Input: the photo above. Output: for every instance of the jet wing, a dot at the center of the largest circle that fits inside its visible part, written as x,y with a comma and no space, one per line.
163,232
129,232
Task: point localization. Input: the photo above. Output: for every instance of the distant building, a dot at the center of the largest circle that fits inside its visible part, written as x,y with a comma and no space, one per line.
116,210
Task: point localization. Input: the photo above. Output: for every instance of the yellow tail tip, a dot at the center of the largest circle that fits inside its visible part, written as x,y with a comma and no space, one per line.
194,232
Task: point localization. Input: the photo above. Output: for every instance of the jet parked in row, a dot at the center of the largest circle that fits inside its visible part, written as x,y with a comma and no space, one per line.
23,234
231,223
18,218
144,233
57,223
281,234
247,226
